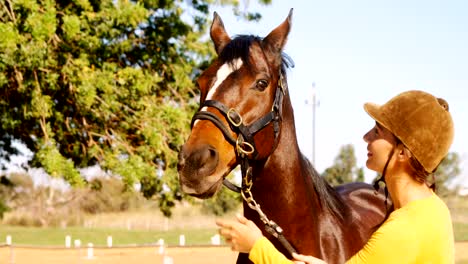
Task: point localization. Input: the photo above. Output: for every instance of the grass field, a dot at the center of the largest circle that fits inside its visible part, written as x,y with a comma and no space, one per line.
123,237
131,230
147,227
98,236
460,229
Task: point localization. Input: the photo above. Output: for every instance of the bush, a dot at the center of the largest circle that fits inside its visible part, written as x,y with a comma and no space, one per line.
223,202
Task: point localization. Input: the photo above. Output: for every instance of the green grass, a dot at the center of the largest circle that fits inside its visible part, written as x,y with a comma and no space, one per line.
98,236
461,231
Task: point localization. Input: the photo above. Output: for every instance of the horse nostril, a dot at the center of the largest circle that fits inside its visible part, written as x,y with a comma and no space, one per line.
201,161
213,152
208,155
207,159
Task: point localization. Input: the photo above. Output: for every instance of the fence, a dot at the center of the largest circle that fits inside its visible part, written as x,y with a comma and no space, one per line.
158,253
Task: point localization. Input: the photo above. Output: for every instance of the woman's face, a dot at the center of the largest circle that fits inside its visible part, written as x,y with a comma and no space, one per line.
380,142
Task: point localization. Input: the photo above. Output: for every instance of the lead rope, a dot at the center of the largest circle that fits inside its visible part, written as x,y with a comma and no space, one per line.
270,226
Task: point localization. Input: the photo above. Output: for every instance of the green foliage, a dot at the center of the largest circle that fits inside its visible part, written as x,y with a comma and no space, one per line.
344,168
223,202
3,209
103,82
5,190
447,171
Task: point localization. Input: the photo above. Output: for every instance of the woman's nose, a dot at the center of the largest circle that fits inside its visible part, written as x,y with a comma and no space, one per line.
366,137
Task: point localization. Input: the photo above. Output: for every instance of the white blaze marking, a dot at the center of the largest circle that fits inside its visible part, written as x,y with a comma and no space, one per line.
223,72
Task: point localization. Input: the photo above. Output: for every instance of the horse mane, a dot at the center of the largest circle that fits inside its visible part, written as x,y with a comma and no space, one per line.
328,196
239,47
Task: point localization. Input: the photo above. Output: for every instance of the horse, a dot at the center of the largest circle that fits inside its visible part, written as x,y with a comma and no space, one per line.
246,118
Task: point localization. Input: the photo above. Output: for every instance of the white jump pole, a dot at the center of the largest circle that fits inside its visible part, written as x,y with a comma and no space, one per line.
168,260
90,254
68,241
9,244
216,240
109,241
77,243
161,246
182,240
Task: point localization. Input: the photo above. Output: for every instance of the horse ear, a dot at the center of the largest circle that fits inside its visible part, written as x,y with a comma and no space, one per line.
276,40
218,34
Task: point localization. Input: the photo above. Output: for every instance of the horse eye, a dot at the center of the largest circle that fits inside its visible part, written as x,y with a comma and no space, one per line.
262,84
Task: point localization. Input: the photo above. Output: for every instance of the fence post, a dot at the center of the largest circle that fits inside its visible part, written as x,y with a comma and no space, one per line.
68,241
161,246
182,240
10,245
90,251
216,240
77,244
109,241
168,260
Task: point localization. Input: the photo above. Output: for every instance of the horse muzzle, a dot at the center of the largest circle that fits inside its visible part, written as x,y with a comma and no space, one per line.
196,169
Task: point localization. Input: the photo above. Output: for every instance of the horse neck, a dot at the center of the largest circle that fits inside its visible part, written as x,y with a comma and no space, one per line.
284,180
292,194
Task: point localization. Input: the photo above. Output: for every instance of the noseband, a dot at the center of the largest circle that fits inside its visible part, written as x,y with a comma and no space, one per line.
245,148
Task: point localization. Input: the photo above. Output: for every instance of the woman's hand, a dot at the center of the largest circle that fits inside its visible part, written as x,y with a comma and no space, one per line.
299,259
241,234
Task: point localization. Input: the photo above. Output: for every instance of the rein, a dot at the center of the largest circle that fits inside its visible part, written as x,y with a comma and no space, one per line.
245,147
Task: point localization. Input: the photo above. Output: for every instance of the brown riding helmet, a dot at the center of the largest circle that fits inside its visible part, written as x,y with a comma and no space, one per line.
421,121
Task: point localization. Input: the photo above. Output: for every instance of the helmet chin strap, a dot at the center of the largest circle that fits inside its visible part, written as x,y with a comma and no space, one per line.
382,177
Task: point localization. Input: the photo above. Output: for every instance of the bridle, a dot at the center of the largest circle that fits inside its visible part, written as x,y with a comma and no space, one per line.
245,148
244,144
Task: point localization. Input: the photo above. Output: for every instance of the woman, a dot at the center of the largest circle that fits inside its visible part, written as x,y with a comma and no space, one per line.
412,134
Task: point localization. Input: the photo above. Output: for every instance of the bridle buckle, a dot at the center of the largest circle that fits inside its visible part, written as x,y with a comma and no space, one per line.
231,119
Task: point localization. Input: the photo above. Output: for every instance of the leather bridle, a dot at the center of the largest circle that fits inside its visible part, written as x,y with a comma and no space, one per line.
245,148
244,144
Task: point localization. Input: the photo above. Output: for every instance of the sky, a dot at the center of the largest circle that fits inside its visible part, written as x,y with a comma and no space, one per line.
351,52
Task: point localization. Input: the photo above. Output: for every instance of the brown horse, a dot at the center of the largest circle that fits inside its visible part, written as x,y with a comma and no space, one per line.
246,118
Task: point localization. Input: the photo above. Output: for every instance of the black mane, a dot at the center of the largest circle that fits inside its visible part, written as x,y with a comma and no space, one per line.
239,47
329,198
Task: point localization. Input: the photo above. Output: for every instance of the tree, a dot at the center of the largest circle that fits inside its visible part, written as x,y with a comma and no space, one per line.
447,171
224,201
344,168
6,187
103,82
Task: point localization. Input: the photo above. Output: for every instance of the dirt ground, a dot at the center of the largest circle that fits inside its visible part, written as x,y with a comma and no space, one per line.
139,255
135,255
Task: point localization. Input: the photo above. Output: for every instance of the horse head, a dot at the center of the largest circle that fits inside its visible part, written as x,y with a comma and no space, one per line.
241,99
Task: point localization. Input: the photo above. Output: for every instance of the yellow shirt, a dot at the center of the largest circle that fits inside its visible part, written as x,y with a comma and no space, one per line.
263,252
419,232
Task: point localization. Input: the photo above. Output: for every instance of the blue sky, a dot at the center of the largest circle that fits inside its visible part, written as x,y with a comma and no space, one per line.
367,51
